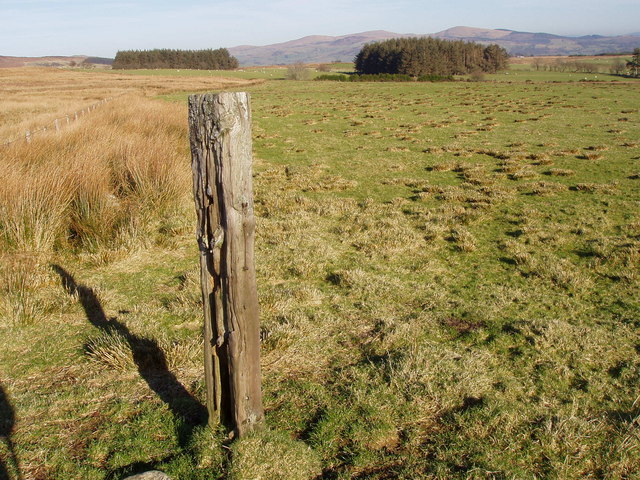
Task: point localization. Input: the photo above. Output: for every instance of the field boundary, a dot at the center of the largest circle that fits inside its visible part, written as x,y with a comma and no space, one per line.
58,123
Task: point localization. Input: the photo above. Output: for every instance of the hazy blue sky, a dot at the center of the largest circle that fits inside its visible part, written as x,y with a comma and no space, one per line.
102,27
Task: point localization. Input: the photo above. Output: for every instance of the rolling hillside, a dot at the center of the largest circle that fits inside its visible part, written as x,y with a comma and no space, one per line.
327,48
324,48
55,61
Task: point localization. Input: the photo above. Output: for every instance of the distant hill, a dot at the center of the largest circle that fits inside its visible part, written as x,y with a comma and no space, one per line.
12,62
318,48
525,43
324,49
315,48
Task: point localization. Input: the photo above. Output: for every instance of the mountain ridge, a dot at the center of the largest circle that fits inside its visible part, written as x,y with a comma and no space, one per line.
54,61
325,48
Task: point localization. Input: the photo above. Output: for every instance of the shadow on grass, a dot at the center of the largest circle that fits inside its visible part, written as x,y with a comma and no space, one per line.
148,357
7,422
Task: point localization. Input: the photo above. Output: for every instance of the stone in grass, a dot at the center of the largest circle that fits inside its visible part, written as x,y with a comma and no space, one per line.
151,475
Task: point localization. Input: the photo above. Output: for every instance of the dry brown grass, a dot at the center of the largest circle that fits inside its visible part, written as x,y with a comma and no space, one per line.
21,285
100,180
270,454
560,172
98,183
31,98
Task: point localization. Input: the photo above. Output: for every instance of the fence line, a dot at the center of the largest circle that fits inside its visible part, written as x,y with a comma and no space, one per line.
58,123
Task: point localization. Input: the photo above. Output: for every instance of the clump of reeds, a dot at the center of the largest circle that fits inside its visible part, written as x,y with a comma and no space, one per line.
101,183
21,278
546,188
463,239
560,172
111,349
595,187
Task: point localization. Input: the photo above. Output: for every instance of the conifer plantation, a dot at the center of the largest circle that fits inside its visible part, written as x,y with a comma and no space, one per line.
429,56
209,59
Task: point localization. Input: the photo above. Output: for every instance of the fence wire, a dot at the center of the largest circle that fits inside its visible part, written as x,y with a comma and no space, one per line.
58,123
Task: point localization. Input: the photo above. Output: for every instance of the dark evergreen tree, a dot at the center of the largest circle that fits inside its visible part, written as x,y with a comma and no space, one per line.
634,63
429,56
495,58
219,59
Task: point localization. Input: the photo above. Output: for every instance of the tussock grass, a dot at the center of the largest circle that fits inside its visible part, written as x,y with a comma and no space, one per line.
522,173
595,187
560,172
423,313
463,239
272,454
545,188
112,350
21,279
33,98
33,205
592,156
95,190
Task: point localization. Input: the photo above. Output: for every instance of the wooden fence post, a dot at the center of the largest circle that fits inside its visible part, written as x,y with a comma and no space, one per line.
221,152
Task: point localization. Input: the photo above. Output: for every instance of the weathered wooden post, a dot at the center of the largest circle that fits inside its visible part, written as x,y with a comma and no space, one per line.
221,152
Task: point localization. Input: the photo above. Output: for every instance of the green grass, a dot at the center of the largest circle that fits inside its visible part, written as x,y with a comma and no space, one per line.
515,74
448,279
267,73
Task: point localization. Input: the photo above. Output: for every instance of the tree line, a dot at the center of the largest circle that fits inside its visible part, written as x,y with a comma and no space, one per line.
210,59
617,67
634,63
429,56
560,65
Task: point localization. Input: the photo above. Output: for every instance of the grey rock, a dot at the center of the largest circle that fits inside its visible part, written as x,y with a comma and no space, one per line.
151,475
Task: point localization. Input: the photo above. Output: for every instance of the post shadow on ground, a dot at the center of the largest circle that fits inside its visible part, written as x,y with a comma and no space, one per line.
148,357
7,423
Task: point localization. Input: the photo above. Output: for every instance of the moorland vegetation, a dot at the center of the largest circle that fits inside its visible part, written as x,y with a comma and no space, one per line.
447,272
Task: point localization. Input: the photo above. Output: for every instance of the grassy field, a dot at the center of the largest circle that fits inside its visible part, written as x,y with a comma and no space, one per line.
448,280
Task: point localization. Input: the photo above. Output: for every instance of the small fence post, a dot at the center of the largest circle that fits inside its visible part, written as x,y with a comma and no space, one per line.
221,152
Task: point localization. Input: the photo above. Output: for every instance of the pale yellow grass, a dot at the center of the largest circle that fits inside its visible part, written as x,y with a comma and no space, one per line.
32,98
102,182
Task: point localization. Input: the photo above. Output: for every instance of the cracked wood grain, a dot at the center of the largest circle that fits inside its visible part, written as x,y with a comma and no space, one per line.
221,152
